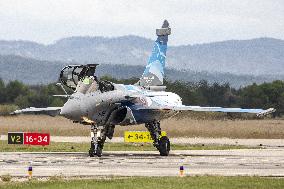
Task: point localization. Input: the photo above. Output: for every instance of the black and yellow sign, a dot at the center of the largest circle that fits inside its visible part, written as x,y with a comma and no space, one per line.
139,136
15,138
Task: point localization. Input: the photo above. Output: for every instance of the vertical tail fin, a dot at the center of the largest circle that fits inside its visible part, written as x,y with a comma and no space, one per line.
154,72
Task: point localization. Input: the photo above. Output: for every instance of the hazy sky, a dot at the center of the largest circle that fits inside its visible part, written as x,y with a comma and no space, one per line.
192,21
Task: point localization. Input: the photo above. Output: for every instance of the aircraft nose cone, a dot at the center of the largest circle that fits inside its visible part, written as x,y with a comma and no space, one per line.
71,110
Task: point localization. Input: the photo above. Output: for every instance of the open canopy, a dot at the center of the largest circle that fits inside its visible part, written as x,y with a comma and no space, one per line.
72,74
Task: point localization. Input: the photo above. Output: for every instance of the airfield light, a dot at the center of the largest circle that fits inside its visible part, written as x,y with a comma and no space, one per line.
181,171
30,171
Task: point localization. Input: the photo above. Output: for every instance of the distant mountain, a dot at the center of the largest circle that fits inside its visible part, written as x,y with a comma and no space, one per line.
27,70
253,57
32,71
262,56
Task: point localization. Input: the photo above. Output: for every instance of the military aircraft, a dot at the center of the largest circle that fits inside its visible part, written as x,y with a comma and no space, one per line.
103,104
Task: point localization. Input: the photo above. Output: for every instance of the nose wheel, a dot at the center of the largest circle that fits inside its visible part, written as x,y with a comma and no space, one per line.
95,150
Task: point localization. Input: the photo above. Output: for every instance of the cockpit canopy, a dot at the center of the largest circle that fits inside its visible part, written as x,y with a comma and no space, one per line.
81,78
72,74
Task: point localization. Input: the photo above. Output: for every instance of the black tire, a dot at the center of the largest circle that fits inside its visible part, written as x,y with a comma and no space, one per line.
91,152
99,151
164,146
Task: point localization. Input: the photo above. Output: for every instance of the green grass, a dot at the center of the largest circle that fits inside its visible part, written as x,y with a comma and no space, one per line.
203,182
84,147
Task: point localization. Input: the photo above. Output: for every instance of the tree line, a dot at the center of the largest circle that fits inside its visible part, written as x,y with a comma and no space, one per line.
201,93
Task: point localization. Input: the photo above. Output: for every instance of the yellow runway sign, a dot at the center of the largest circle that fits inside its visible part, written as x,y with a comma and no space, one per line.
139,136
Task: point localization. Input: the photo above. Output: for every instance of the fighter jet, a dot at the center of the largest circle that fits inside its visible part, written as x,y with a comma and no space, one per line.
104,105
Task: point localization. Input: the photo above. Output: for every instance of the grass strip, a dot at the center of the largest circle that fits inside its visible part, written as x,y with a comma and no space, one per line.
84,147
197,182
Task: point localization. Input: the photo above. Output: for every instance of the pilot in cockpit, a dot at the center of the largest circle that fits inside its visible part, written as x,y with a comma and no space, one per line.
88,84
94,85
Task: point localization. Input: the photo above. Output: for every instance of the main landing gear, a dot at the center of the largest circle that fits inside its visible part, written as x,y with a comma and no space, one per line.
162,143
99,134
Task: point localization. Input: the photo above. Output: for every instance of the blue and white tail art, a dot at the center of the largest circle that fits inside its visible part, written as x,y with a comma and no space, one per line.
154,72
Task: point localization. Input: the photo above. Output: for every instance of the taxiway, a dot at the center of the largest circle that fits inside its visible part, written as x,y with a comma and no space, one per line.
261,162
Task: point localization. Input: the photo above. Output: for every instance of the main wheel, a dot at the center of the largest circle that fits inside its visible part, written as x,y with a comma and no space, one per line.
164,146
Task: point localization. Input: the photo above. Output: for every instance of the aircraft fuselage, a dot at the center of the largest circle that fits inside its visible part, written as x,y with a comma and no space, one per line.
125,105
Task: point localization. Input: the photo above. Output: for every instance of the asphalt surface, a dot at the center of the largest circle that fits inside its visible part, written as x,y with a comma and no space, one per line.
261,162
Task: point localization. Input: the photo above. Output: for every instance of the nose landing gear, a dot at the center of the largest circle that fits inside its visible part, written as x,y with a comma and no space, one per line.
98,139
162,143
99,134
